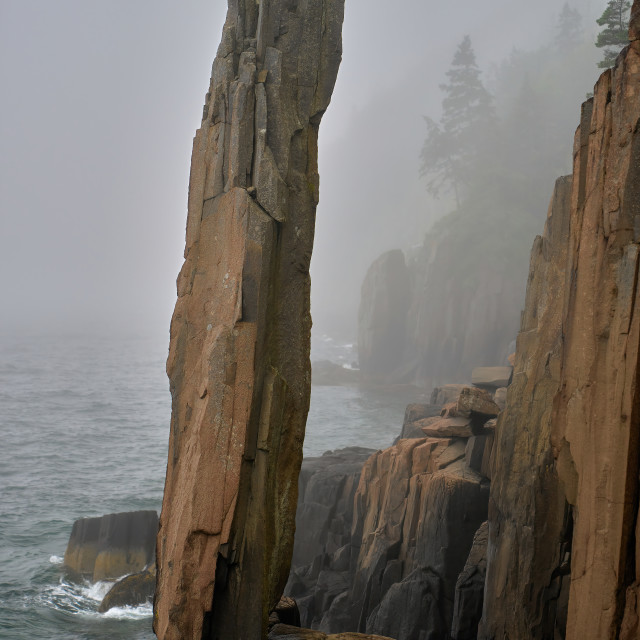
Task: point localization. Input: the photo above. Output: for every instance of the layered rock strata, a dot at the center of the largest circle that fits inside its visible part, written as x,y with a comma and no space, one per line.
563,517
381,550
239,353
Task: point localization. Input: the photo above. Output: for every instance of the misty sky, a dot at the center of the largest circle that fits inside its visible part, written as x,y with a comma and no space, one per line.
100,102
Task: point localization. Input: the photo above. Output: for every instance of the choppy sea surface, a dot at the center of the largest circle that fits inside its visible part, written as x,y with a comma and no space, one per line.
84,425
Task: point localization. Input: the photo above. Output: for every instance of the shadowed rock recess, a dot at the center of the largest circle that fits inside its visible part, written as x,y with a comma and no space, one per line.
564,544
239,353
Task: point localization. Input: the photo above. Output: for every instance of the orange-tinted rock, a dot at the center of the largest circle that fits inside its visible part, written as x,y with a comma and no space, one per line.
239,353
564,497
596,412
411,556
413,414
527,524
415,511
478,402
450,410
446,427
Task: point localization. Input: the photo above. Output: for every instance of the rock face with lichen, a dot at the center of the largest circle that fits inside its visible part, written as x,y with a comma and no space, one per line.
564,537
239,353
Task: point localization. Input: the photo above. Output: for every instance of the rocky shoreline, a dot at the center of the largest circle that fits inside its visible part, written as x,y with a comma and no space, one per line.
396,541
382,537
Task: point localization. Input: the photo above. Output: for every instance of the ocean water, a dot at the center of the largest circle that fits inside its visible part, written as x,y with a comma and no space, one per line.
84,424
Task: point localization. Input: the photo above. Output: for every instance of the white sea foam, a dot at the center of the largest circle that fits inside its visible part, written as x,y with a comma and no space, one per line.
78,599
56,559
83,600
96,591
130,613
64,596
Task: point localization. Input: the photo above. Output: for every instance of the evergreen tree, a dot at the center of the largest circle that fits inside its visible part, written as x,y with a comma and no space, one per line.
615,35
569,29
450,152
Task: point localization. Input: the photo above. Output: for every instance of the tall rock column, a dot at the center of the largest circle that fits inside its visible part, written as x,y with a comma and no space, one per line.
239,353
563,519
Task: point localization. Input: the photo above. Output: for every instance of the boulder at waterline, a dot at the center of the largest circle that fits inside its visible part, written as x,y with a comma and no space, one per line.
112,545
130,591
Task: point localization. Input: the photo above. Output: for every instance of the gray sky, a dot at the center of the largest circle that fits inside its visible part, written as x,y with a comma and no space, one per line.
100,101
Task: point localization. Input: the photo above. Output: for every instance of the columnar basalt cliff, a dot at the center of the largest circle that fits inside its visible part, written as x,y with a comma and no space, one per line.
560,554
239,354
451,305
382,539
563,516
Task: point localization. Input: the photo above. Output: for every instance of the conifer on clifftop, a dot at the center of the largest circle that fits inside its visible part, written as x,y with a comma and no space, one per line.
615,35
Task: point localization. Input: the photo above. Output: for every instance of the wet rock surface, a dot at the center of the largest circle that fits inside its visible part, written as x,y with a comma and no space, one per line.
112,545
130,591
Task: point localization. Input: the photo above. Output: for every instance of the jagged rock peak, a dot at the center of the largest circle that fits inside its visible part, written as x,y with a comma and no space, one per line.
239,353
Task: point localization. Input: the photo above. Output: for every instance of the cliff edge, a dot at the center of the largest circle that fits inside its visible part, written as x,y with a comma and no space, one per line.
564,543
